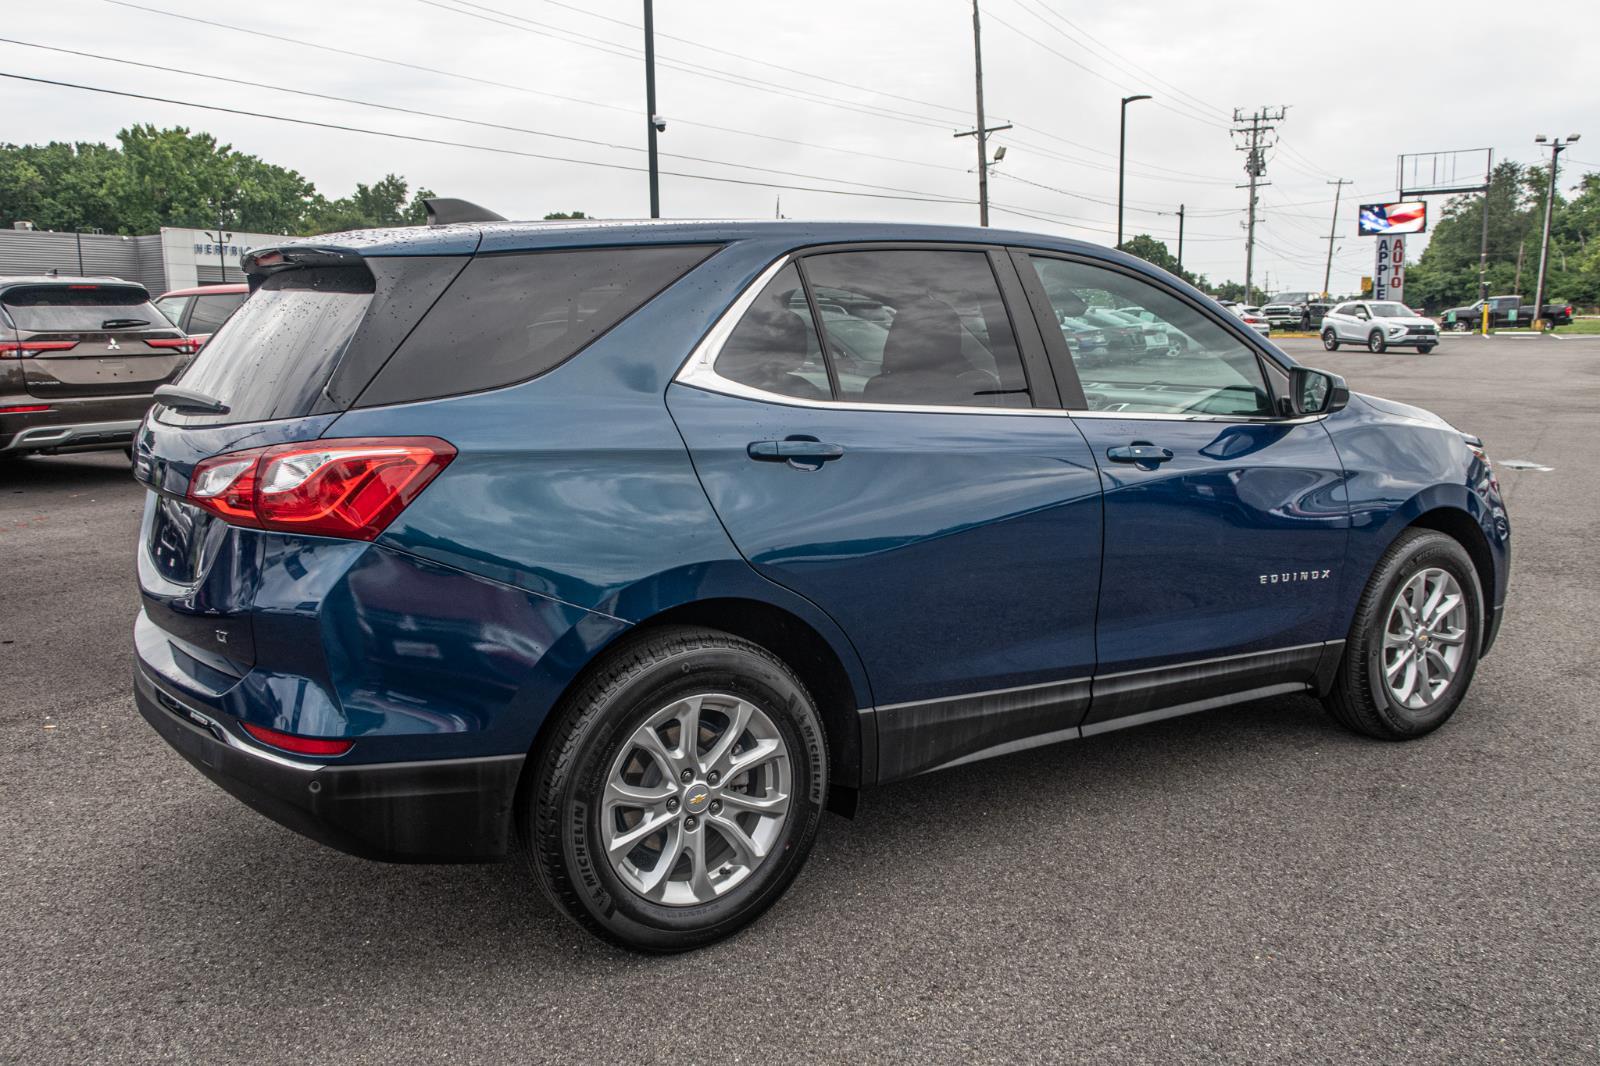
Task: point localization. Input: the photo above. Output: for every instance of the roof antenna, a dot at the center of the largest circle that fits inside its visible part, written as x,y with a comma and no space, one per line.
444,210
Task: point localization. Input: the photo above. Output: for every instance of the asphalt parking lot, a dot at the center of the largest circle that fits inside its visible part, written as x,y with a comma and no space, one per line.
1248,884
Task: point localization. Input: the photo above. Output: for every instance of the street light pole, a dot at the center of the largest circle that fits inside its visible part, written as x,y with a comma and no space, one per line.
652,123
1556,145
1180,240
1122,158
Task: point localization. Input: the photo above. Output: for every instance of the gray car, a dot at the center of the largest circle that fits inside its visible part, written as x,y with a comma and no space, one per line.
79,360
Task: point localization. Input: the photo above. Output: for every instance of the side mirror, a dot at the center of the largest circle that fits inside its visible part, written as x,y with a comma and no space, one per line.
1315,392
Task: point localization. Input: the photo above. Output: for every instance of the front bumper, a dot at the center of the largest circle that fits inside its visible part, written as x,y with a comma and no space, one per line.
444,810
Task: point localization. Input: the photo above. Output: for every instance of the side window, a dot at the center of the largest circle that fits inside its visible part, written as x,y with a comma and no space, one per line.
210,312
774,346
917,327
172,308
1165,357
510,317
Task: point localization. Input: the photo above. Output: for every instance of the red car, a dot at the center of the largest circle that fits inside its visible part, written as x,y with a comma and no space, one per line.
200,311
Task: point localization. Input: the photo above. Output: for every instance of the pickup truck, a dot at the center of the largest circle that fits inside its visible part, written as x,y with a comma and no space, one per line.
1295,310
1503,311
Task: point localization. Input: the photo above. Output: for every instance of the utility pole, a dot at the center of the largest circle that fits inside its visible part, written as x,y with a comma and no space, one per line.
1333,231
1516,283
1257,129
1122,158
981,132
1180,240
1556,146
652,122
1483,244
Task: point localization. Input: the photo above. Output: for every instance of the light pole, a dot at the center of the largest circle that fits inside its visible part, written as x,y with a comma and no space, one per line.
1122,158
222,261
654,123
1556,145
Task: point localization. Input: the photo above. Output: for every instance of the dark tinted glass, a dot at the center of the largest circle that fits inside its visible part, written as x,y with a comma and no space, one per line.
74,308
508,318
210,312
272,358
917,327
1157,354
774,347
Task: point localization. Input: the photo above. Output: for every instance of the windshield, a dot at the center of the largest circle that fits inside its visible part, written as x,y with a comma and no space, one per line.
80,308
1291,298
1387,310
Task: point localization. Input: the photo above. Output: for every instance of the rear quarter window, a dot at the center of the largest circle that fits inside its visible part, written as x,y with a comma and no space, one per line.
511,317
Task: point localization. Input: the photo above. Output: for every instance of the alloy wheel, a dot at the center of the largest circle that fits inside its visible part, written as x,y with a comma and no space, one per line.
1424,638
696,799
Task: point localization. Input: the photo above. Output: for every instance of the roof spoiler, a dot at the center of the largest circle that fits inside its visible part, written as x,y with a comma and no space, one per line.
443,210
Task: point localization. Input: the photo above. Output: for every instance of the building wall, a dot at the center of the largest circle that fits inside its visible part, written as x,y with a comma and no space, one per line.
175,258
95,254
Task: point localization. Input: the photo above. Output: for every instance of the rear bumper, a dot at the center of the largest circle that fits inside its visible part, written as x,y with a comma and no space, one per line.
445,810
83,436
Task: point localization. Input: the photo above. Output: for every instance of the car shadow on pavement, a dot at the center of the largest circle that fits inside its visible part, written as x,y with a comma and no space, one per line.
83,470
265,893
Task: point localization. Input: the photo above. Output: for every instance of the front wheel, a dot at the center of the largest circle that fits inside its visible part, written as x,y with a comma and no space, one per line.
1330,340
1424,349
679,792
1376,343
1414,644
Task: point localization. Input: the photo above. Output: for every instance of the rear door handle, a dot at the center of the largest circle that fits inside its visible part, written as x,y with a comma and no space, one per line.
804,453
1139,452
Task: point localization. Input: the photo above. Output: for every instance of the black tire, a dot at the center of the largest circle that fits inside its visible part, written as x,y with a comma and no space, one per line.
1359,699
1424,349
1305,323
1330,339
1462,326
1376,343
559,818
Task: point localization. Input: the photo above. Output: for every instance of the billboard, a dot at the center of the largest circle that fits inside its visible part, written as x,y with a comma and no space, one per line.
1408,217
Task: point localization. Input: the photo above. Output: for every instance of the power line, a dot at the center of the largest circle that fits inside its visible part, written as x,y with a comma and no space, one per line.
457,75
416,138
445,117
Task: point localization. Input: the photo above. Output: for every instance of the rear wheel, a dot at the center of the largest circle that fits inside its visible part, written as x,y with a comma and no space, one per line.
1330,339
1375,342
680,791
1414,645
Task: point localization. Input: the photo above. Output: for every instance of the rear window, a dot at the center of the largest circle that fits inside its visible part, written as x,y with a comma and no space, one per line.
81,308
508,318
273,357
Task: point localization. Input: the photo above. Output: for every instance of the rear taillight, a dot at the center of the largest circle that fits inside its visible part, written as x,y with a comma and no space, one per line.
24,349
24,409
298,744
184,345
352,487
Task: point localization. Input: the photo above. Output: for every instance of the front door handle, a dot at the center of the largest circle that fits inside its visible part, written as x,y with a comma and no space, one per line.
802,453
1140,452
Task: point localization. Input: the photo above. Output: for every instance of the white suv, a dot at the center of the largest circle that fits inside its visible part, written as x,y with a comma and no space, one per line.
1380,325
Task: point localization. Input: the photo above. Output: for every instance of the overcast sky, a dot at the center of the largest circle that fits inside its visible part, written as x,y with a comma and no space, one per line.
865,91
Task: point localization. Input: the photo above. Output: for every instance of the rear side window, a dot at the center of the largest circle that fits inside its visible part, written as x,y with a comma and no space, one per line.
917,327
272,358
211,311
508,318
81,308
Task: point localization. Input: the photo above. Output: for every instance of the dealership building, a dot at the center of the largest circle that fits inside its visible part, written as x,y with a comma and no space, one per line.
175,258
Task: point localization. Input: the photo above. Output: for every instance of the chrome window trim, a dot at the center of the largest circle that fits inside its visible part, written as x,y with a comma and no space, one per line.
699,371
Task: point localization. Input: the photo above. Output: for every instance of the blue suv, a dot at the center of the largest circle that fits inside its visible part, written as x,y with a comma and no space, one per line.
633,547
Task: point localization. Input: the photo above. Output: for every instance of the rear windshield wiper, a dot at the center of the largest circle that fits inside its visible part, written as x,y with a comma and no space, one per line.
182,399
119,323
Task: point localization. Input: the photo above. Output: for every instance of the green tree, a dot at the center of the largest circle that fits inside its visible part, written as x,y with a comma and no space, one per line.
383,203
555,216
60,186
1155,252
177,178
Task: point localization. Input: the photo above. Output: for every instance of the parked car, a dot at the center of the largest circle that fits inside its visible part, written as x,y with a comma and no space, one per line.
201,311
1252,317
79,358
1504,311
644,591
1380,325
1295,310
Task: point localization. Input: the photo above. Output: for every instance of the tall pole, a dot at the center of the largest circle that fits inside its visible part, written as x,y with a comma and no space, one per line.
1544,242
1483,244
1180,240
1260,124
1122,158
650,104
1333,230
982,134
